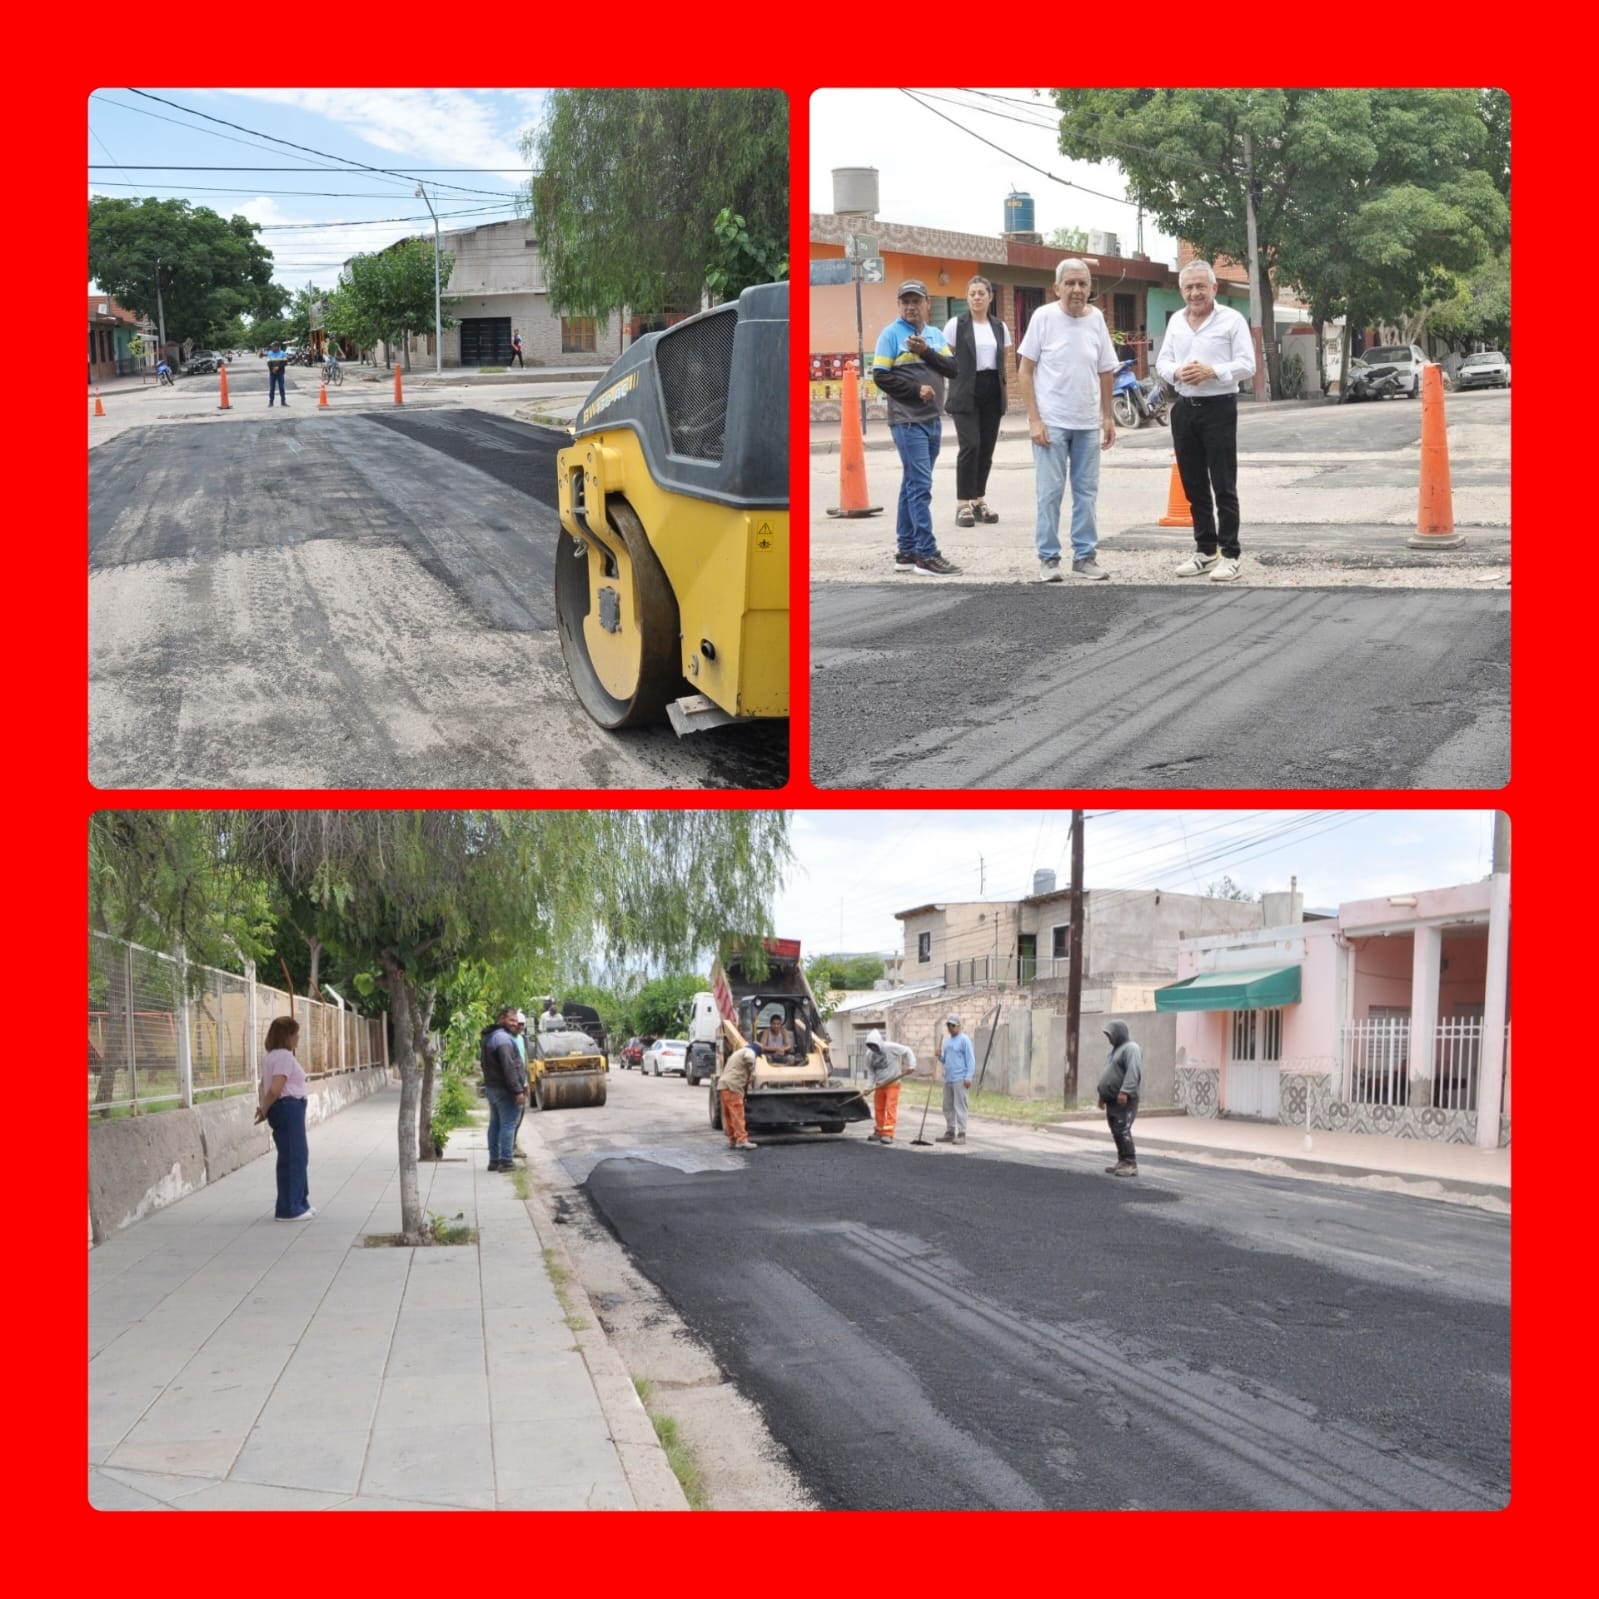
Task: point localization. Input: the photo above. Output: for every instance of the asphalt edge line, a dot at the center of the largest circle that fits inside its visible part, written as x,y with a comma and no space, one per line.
643,1456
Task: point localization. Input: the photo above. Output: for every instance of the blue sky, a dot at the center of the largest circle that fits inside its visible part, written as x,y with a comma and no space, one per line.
855,869
935,171
314,219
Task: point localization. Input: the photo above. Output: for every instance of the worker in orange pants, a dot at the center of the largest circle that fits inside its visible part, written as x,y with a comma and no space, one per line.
888,1063
732,1083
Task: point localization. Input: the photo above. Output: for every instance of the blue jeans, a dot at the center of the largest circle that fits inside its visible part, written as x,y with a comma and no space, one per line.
1076,449
286,1118
917,443
504,1113
275,386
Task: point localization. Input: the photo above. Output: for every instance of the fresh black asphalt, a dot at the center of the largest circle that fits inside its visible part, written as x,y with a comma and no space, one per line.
921,684
937,1330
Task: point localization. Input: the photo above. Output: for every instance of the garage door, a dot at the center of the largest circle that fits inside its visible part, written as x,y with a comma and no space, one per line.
485,341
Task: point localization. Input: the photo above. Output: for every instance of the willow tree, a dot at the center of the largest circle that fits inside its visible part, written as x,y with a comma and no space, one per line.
628,185
418,892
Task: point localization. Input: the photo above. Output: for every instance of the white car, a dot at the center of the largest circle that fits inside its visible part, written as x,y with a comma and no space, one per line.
1407,357
666,1055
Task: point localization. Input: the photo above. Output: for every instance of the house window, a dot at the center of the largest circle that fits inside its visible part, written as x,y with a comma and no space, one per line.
924,946
577,335
1257,1035
1060,939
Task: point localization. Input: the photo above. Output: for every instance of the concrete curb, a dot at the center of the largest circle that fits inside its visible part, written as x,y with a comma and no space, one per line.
649,1474
1308,1164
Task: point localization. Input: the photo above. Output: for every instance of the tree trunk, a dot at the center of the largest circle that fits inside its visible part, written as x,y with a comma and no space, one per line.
412,1221
422,1010
1268,330
314,945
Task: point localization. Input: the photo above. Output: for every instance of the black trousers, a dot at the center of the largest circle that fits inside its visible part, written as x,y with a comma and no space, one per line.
1204,434
977,431
1120,1118
516,355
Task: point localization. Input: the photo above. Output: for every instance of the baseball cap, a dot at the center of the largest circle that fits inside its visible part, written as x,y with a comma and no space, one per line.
952,1021
912,286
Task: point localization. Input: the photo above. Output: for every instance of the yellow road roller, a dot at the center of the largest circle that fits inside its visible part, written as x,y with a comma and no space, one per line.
566,1067
671,572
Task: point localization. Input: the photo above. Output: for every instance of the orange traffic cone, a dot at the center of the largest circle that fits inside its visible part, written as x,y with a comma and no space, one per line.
1178,513
853,500
399,399
322,404
224,406
99,410
1435,509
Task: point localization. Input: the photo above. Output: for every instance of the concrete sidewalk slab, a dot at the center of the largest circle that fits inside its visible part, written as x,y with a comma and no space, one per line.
240,1364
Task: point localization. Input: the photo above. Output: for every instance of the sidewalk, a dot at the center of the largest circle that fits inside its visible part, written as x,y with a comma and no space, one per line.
1442,1168
241,1363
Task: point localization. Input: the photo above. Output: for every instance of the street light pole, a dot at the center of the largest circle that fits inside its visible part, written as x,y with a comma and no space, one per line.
438,328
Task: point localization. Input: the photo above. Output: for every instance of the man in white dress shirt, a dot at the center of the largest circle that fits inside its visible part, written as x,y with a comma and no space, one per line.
1207,353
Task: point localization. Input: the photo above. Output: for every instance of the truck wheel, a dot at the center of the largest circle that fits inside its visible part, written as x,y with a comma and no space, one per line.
716,1109
832,1127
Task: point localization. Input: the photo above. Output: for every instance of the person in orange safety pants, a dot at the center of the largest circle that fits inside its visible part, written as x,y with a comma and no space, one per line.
732,1083
888,1063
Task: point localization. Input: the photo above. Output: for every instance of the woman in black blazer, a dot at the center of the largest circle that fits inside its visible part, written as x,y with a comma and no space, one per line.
976,397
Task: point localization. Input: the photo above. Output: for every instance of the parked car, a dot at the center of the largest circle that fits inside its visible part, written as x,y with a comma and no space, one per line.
632,1053
202,361
1408,358
1487,369
666,1055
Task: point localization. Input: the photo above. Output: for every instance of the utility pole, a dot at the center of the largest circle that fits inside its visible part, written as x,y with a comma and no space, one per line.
438,320
160,315
1255,308
1074,969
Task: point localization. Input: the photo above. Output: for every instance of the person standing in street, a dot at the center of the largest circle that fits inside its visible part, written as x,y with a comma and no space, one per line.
977,399
519,1034
960,1067
504,1086
1118,1094
732,1084
1066,370
909,365
516,349
277,365
282,1108
1207,352
888,1063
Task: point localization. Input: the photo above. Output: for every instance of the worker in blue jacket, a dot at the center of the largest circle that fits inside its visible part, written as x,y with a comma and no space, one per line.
960,1067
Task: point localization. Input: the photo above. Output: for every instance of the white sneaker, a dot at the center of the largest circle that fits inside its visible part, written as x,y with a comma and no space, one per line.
1226,570
1049,572
305,1215
1196,565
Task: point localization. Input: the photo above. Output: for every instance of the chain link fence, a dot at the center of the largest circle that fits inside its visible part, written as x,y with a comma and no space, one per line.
164,1032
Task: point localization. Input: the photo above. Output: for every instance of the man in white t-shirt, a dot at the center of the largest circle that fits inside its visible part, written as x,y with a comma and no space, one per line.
1067,367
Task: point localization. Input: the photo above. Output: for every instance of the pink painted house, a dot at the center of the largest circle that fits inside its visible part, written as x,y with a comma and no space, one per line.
1391,1016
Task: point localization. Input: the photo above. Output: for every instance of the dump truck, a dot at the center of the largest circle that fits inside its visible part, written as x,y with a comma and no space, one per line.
794,1087
565,1066
671,567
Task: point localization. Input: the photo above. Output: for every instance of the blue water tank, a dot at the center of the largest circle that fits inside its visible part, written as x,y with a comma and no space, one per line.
1018,212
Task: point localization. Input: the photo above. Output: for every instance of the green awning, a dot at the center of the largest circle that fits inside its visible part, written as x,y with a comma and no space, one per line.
1257,988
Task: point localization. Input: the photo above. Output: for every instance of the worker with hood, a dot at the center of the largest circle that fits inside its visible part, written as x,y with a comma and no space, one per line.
732,1084
1119,1084
888,1064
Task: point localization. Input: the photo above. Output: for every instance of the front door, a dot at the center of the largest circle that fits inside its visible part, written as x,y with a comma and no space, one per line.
485,340
1026,957
1254,1063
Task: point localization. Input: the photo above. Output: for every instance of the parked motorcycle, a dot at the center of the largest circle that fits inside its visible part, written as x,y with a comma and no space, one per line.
1373,383
1133,402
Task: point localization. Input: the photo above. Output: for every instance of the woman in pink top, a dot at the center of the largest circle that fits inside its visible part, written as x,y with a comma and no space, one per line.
282,1108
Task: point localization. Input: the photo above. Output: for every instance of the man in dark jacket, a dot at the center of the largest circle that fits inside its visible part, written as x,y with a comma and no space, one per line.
1118,1094
909,365
504,1086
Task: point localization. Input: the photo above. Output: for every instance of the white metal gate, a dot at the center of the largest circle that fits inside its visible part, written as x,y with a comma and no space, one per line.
1254,1063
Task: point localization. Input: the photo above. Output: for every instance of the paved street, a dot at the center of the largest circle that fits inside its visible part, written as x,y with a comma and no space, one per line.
358,597
1003,1326
1383,667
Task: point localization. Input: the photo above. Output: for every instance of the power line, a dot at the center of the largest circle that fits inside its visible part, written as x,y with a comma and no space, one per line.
160,166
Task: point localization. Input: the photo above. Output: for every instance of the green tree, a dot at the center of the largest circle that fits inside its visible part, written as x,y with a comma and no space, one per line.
1365,198
1478,311
1227,889
186,265
659,1004
389,294
1067,239
843,971
628,184
740,259
419,892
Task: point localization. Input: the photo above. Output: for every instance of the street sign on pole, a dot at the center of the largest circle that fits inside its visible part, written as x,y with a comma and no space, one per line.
830,272
872,269
859,246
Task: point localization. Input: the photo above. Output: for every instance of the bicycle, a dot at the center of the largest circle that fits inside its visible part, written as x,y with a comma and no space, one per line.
332,372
